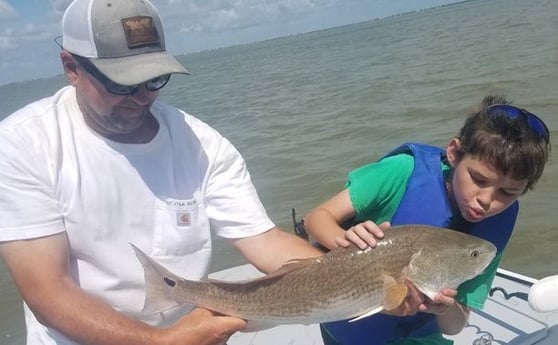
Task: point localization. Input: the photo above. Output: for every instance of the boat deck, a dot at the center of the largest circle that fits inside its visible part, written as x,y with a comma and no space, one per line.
506,318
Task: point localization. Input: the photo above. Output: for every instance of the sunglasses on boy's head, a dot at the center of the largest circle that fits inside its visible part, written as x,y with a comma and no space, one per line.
119,89
535,123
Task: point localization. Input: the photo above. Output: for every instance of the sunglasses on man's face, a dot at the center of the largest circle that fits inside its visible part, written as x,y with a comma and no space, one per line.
535,123
119,89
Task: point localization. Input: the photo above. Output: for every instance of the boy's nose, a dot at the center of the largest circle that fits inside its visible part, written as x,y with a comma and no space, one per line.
484,198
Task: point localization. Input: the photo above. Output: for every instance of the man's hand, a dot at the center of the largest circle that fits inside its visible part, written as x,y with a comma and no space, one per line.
203,327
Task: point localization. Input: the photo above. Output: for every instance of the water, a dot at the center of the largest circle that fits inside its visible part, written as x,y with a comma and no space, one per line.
306,109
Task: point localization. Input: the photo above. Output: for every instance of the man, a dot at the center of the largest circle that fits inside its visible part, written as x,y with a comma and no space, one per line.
102,164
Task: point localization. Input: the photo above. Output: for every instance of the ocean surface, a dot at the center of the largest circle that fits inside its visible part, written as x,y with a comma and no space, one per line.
306,109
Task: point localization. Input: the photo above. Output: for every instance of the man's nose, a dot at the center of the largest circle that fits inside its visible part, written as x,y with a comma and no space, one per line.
143,96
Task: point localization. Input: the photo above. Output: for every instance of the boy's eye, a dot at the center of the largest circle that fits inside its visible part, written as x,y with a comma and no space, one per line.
511,193
477,180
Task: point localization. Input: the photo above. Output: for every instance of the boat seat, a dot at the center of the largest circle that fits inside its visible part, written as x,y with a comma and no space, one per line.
536,338
547,336
551,337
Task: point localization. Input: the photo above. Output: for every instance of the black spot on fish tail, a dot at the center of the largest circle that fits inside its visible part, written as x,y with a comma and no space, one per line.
169,282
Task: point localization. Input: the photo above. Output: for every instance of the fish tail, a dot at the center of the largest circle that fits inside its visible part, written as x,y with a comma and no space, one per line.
158,280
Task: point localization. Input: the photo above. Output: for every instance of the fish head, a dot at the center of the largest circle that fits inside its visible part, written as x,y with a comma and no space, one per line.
447,260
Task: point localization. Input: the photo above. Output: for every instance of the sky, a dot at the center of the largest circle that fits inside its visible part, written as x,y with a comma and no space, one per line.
28,27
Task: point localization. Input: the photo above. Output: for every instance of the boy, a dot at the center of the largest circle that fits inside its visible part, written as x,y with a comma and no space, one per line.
471,186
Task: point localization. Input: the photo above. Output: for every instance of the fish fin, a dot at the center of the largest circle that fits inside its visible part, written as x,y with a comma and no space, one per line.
394,292
289,266
368,313
257,326
156,279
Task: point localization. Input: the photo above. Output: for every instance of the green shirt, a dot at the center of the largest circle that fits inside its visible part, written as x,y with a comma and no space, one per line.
375,191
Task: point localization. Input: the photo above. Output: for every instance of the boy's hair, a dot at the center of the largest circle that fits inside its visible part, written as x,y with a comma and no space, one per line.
508,144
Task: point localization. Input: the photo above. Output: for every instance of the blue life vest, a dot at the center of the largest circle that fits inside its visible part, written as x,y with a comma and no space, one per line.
425,202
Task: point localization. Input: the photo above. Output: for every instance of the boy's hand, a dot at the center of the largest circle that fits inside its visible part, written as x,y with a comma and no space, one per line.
413,303
416,301
442,302
363,235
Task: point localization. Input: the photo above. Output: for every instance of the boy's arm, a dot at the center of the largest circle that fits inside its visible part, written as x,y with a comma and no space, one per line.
451,315
454,319
472,294
322,222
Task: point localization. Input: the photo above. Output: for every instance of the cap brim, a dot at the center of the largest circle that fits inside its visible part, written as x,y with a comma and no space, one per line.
136,69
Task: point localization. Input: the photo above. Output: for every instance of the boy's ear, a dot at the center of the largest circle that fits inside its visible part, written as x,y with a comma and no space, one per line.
452,151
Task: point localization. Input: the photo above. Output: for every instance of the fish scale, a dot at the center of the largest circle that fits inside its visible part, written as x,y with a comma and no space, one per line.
344,283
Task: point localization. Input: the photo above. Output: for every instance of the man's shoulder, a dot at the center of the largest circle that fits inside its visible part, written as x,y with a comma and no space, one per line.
38,111
175,117
190,129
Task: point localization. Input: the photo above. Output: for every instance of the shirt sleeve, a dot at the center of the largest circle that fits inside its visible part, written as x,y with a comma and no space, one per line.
377,188
28,207
233,205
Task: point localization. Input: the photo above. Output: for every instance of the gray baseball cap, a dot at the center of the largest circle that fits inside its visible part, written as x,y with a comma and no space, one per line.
124,39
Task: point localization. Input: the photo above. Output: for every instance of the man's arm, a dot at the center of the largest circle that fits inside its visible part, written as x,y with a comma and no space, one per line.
271,249
40,269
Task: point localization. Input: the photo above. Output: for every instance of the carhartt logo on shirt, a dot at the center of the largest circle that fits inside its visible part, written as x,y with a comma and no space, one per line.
181,203
183,218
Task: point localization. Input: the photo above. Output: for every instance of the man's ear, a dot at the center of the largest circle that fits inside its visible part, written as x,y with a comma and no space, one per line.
452,151
70,66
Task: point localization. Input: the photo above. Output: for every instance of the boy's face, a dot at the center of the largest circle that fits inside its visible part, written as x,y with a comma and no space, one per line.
476,189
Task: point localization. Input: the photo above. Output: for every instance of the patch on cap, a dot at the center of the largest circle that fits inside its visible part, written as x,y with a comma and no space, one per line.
140,32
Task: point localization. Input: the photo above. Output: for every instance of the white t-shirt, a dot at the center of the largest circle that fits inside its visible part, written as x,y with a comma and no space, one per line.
164,196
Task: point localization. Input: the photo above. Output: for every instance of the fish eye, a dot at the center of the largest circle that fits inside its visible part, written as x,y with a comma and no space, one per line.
475,254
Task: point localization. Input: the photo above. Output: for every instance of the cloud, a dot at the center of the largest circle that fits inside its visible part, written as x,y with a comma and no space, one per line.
27,29
60,5
7,11
27,35
6,42
223,15
190,25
